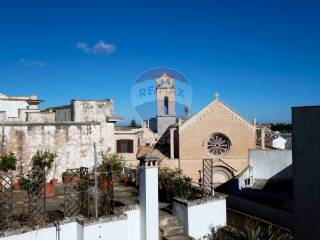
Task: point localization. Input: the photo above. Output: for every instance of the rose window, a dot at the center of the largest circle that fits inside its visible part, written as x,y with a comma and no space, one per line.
218,144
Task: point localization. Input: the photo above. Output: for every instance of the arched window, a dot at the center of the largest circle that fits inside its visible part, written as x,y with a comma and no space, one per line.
166,105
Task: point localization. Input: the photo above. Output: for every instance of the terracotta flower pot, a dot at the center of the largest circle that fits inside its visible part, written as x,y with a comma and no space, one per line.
54,182
66,179
125,179
102,184
49,191
17,184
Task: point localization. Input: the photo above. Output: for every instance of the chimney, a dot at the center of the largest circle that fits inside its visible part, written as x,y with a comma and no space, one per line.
149,209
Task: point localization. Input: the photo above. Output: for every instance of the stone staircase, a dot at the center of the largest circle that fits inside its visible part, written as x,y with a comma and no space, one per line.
170,228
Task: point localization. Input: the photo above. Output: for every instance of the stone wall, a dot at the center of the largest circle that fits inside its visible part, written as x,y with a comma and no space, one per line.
73,142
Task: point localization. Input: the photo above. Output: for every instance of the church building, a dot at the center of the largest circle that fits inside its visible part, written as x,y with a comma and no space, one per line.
216,132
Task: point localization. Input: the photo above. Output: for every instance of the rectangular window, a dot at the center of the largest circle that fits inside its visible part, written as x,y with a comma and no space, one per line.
125,146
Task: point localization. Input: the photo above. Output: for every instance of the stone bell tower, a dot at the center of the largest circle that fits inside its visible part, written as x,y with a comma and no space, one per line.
166,103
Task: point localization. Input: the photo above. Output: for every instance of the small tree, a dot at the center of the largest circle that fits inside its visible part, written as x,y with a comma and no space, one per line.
41,160
110,161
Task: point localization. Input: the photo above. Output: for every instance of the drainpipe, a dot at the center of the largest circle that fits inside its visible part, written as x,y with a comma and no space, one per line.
172,143
263,143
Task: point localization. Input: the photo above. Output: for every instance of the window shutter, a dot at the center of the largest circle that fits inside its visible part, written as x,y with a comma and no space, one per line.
118,146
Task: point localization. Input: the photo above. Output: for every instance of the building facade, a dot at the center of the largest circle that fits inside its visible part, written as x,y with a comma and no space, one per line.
70,131
215,132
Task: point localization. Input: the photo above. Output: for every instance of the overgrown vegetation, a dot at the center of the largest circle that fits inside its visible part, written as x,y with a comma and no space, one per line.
173,183
250,231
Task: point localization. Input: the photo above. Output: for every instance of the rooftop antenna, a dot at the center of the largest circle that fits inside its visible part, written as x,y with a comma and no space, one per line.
187,109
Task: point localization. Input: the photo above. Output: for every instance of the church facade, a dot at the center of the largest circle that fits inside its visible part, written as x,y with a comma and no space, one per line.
216,132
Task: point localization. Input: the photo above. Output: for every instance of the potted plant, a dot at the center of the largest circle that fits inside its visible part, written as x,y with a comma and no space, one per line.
43,160
8,163
111,164
67,177
54,181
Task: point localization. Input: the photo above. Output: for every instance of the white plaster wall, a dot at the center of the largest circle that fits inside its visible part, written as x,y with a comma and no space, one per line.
268,163
11,107
202,217
124,229
198,219
69,231
149,203
127,228
133,232
115,230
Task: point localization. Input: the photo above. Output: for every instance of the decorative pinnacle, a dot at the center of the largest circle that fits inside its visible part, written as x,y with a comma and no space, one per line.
216,95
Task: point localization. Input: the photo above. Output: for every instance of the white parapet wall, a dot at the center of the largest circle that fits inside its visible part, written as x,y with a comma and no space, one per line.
199,216
125,226
68,230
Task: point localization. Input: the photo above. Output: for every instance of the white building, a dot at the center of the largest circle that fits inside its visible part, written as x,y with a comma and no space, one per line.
277,142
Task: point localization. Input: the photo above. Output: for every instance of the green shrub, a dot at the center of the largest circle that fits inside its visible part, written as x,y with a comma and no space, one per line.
43,159
110,161
173,181
8,162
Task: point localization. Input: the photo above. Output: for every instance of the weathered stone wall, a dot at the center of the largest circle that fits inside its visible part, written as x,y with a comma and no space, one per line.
41,117
85,111
73,142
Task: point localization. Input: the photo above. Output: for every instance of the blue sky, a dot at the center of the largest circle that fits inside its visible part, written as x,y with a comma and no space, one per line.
261,56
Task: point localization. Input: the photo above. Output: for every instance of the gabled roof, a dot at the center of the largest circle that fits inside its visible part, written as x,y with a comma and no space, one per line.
216,103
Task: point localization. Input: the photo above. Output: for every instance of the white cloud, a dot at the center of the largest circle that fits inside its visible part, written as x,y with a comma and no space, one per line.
103,48
32,63
99,48
82,46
